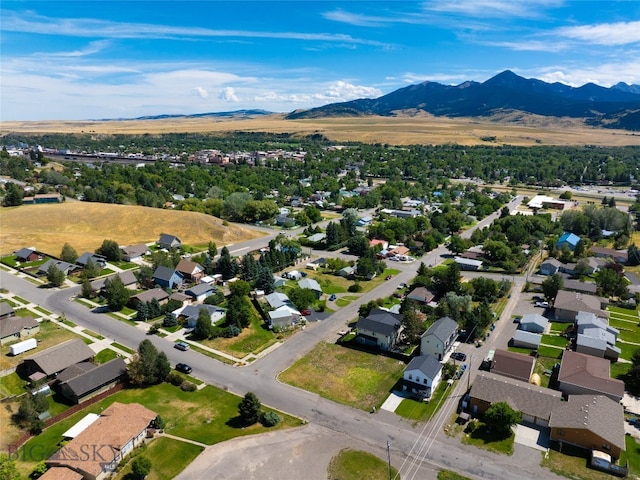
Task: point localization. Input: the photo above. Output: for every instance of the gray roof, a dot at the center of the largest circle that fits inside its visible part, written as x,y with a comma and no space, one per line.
578,286
166,239
533,319
164,273
96,377
127,277
60,265
521,396
6,309
135,250
12,325
380,321
587,371
420,294
311,284
94,257
552,261
595,413
201,289
579,302
55,359
442,329
277,299
192,311
527,337
25,252
428,365
149,295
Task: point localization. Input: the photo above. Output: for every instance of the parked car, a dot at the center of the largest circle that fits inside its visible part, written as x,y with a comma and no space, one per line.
542,304
184,346
401,286
332,297
388,277
183,367
459,356
306,311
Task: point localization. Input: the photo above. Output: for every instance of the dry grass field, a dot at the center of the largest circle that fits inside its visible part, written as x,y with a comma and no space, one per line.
85,225
512,129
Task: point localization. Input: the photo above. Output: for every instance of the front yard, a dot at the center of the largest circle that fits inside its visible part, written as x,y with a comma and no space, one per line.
423,411
360,379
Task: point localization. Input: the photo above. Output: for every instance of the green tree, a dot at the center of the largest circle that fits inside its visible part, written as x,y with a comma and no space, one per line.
169,320
8,469
226,265
212,249
142,310
265,280
501,417
203,328
457,244
141,466
239,288
116,294
413,327
55,276
163,367
38,470
68,254
551,286
110,250
249,409
238,312
302,297
87,289
633,255
13,195
611,283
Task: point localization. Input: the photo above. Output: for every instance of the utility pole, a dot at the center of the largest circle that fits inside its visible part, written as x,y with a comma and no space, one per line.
389,458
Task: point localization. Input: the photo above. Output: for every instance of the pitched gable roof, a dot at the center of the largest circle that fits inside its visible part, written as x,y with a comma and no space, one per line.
60,473
137,250
311,284
12,325
428,365
589,372
87,381
580,302
6,309
25,252
570,238
421,294
165,273
148,295
596,413
442,329
188,267
380,321
513,365
56,359
166,239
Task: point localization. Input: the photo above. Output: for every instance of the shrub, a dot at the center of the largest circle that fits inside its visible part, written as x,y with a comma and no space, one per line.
187,386
231,331
356,287
270,419
174,378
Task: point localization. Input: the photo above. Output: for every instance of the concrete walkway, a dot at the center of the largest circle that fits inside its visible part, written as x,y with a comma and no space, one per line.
393,401
185,440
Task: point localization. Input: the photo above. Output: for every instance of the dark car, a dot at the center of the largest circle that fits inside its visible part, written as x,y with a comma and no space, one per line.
388,277
184,368
459,356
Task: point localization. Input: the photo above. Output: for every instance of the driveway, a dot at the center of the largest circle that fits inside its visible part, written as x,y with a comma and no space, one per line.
533,437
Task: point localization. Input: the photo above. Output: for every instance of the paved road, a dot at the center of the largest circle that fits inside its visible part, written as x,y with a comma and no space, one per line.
406,439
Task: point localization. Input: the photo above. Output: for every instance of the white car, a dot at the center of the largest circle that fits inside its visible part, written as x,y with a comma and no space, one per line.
542,304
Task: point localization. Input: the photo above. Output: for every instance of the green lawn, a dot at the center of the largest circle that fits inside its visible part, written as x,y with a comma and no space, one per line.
488,440
619,369
572,463
357,465
423,411
103,356
556,340
622,311
342,302
11,385
360,379
551,352
122,347
93,334
251,340
631,455
449,475
168,458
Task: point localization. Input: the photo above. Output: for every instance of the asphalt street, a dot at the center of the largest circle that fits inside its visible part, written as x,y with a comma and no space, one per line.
424,448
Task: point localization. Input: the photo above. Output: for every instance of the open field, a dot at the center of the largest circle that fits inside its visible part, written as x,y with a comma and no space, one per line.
85,225
400,130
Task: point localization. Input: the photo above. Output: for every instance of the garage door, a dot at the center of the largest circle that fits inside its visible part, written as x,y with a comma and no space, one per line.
528,419
542,422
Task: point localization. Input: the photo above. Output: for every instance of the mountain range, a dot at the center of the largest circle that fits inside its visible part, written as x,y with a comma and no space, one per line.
614,107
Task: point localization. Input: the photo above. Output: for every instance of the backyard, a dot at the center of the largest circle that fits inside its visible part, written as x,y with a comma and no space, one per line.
360,379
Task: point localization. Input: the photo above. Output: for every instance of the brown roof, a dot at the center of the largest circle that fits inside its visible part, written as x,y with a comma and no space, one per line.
135,250
188,267
116,426
149,295
12,325
56,359
421,294
521,396
513,365
580,302
61,473
589,372
609,252
596,413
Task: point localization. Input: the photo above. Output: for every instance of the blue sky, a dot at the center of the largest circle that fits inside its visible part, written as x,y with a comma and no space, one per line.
110,59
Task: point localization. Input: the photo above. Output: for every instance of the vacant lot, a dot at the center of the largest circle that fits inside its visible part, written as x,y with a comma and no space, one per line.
513,129
359,379
85,225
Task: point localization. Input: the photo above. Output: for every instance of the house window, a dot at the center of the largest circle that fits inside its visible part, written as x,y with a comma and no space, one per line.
606,446
424,381
410,377
560,432
418,379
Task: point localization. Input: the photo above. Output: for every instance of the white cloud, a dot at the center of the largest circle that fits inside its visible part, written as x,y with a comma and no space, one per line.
200,92
445,78
339,91
491,8
609,34
605,75
228,94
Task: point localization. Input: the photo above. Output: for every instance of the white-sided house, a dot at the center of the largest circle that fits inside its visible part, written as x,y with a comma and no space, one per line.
439,338
191,312
422,375
279,282
468,263
595,336
284,316
526,339
201,291
533,322
311,284
294,275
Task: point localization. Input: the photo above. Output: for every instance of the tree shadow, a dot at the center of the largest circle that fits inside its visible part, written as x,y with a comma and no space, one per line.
236,422
488,435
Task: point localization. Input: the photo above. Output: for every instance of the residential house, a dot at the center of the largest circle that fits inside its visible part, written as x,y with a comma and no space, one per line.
380,329
347,272
277,299
279,282
84,380
15,328
316,238
134,253
55,359
526,339
569,240
535,403
64,267
127,277
27,255
550,266
512,365
166,277
468,263
169,241
577,286
191,313
191,272
88,257
311,284
400,250
6,310
375,242
618,256
60,473
592,422
180,297
568,304
149,295
39,198
284,316
421,295
533,322
201,291
595,336
582,374
120,429
422,376
364,221
293,275
285,220
439,338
